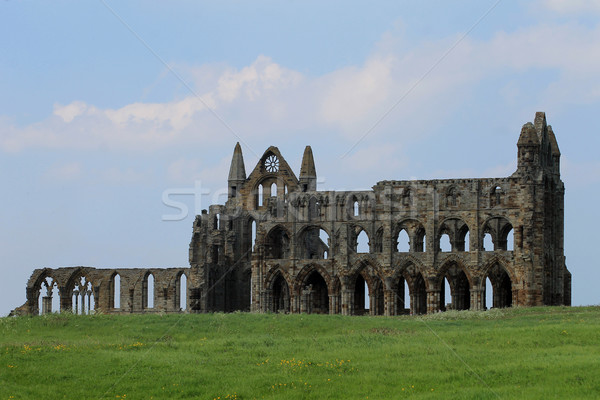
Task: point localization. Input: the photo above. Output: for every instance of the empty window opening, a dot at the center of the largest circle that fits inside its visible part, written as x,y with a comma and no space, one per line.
253,234
488,244
356,209
403,241
217,222
324,237
83,297
446,295
148,292
116,290
49,297
489,294
467,241
274,190
445,243
260,195
277,244
362,242
183,292
402,297
510,241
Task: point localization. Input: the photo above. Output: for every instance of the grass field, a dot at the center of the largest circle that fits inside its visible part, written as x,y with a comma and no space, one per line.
536,353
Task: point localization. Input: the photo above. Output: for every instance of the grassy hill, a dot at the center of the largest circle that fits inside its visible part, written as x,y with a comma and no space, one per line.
536,353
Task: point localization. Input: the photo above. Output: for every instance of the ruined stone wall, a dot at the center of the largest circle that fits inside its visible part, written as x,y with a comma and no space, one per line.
279,244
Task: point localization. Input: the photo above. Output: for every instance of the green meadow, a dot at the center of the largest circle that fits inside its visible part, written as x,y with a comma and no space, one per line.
520,353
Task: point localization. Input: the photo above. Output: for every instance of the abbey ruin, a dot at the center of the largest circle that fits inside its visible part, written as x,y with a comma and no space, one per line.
280,245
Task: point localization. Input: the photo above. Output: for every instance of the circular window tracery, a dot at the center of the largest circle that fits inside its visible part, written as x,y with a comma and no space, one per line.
272,163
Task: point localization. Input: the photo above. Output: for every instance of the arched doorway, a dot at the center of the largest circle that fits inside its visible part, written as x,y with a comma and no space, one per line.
315,294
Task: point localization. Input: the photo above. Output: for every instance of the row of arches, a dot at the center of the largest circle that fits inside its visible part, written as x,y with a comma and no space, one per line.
365,292
313,242
81,295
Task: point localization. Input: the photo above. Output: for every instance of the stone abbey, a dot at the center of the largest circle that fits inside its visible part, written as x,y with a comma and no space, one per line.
280,245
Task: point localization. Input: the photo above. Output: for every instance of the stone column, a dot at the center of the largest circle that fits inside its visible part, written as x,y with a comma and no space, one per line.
433,301
46,305
477,299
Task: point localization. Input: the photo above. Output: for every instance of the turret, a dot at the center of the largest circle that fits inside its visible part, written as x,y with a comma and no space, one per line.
528,147
308,173
237,172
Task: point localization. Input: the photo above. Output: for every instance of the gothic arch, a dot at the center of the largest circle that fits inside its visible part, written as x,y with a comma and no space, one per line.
460,282
277,243
415,230
499,228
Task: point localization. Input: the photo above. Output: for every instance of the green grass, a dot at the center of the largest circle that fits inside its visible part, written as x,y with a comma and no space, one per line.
536,353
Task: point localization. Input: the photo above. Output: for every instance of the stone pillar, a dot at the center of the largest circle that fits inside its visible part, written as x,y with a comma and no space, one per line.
346,302
433,301
389,303
76,295
46,305
478,299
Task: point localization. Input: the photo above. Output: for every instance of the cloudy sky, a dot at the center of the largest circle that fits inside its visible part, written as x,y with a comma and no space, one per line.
105,106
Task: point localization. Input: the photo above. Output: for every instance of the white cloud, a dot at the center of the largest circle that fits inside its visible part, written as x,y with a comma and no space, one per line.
69,112
265,101
572,6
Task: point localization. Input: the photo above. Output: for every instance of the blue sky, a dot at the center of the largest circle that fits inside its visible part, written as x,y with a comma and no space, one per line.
103,108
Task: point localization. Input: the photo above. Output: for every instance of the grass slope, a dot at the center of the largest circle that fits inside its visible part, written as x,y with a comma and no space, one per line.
536,353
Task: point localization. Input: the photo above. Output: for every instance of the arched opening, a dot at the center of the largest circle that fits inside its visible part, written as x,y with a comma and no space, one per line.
82,297
446,296
488,244
115,287
260,195
253,237
419,298
182,292
498,291
356,208
445,242
362,242
489,294
148,291
217,222
273,190
277,244
466,242
420,240
361,296
281,295
324,237
313,243
510,240
455,282
402,297
48,297
316,294
403,241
